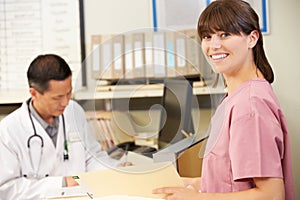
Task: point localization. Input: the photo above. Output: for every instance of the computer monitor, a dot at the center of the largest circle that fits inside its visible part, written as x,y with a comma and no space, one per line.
176,116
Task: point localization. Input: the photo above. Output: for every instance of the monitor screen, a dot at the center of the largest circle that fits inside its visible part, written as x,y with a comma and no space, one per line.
176,115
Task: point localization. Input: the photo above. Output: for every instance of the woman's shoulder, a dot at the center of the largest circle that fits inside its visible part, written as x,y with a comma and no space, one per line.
253,95
254,89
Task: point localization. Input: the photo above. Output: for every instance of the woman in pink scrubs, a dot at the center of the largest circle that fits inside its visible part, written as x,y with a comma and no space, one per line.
248,152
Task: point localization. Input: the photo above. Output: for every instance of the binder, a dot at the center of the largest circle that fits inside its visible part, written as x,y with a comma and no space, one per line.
138,55
128,56
107,136
180,58
96,62
148,55
159,55
118,57
170,54
100,134
111,132
148,45
106,57
195,56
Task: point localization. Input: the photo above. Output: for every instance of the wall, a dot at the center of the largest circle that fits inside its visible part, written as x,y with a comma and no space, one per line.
282,48
113,17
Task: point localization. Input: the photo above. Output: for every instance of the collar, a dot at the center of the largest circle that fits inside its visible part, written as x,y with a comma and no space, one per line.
40,120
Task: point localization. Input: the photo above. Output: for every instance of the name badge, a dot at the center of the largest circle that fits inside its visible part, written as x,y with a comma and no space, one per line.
74,137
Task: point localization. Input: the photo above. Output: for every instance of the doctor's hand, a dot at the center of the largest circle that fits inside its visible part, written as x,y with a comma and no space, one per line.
125,164
178,193
70,181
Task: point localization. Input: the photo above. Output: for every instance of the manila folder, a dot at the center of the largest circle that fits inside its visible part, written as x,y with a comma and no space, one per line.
133,180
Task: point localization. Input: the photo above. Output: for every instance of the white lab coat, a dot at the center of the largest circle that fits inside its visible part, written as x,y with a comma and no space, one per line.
84,153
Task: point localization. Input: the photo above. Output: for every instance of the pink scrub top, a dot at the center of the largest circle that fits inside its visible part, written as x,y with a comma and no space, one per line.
248,138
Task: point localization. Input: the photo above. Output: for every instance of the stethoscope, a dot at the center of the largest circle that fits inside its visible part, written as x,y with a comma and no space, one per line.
40,138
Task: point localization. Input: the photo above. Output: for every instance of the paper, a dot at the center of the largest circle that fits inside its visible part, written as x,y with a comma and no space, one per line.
132,181
124,197
66,192
112,197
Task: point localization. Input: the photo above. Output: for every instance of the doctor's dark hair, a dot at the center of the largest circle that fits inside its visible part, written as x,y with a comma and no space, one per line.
235,17
45,68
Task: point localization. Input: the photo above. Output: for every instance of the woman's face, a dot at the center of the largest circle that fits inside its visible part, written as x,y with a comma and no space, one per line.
227,53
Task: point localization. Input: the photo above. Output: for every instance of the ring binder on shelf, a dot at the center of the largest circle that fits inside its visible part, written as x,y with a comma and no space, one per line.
180,58
149,60
170,51
148,55
118,57
194,53
106,57
139,56
128,56
159,54
96,70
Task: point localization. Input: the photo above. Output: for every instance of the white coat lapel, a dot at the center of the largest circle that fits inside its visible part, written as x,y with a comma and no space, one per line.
49,154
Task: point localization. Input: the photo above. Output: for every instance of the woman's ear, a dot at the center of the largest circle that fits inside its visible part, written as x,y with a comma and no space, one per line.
253,37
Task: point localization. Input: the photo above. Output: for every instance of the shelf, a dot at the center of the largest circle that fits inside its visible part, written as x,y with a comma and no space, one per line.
137,91
108,92
13,96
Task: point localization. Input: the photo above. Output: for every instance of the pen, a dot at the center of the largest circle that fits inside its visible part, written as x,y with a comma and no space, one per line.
126,153
90,195
184,133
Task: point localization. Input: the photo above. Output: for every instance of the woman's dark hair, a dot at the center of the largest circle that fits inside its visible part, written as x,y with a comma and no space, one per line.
45,68
235,17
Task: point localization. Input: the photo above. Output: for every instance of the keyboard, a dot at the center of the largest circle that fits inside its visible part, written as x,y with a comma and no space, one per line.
131,146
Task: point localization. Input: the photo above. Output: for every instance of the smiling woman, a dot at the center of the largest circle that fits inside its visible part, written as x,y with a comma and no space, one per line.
247,154
240,20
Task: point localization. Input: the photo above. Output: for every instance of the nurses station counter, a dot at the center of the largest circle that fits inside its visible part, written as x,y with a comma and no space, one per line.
128,183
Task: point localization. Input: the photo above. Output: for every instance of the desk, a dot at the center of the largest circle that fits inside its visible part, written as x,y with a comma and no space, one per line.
135,181
112,197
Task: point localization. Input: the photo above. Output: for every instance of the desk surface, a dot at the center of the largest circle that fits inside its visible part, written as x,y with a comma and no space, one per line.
112,197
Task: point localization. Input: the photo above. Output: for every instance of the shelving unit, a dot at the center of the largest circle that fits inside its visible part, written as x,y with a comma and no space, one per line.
13,96
137,91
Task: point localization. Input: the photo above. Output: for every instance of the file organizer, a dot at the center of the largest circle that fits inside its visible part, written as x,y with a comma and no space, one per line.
148,55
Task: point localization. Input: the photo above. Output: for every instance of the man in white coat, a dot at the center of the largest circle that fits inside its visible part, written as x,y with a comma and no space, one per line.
46,140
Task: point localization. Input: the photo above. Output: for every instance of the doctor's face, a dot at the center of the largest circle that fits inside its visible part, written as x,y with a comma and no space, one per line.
54,100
